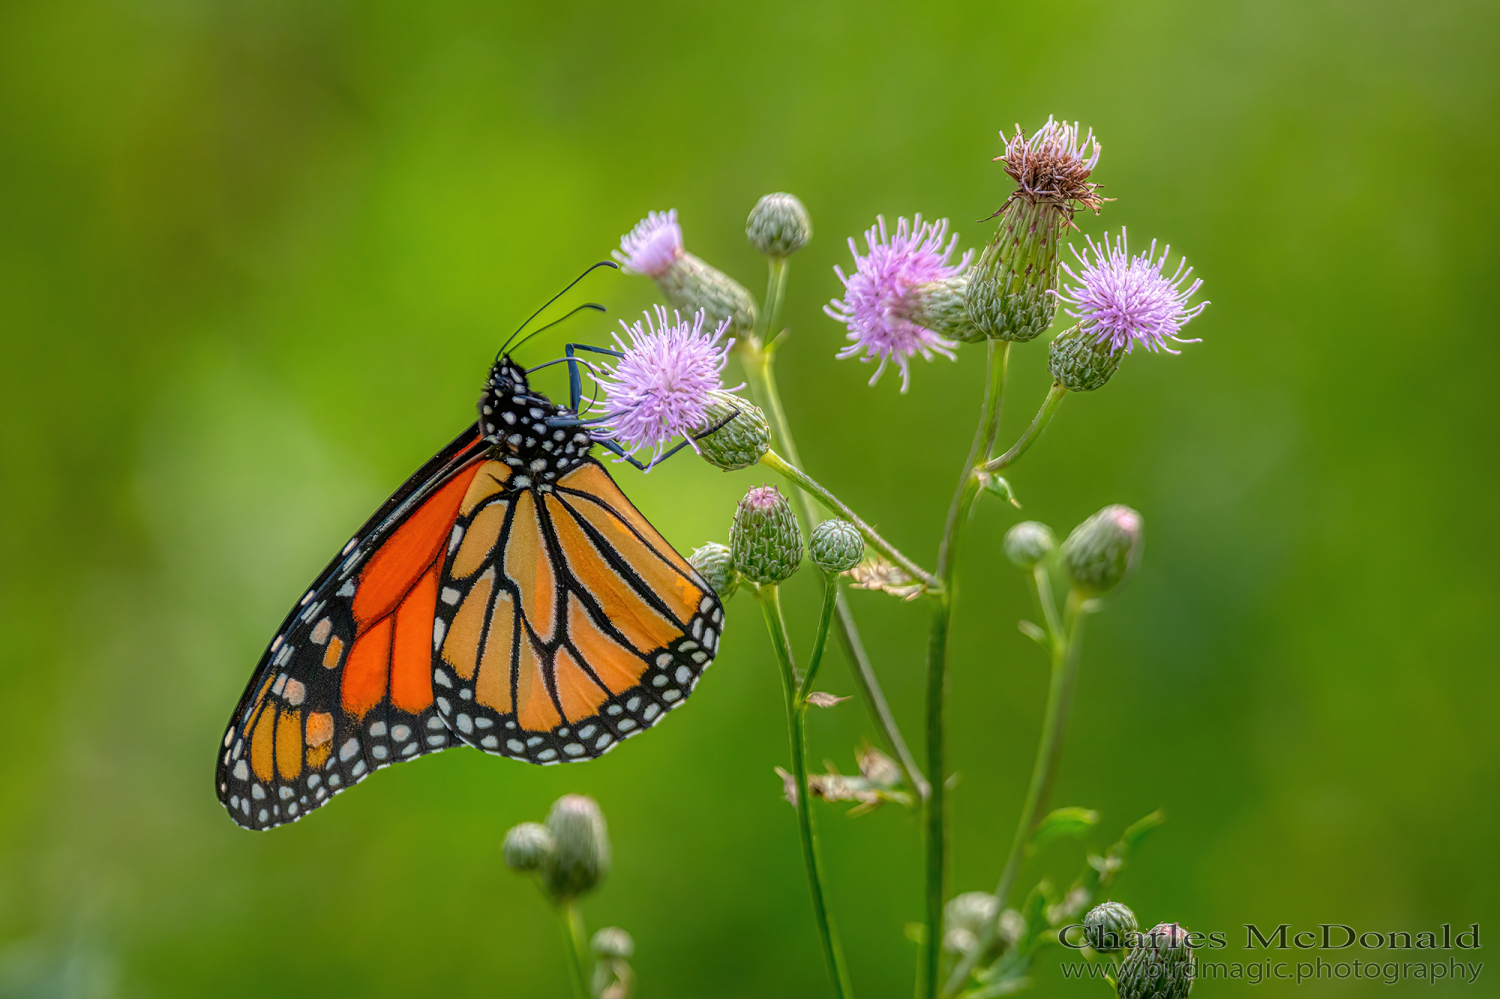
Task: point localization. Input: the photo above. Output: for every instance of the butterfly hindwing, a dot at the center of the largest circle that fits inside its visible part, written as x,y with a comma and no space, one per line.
345,687
565,621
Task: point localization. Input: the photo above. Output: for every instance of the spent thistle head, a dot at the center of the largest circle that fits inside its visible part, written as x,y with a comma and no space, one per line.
663,385
1053,165
778,225
879,304
1124,301
764,538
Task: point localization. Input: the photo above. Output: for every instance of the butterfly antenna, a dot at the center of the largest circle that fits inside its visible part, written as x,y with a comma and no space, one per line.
587,271
595,306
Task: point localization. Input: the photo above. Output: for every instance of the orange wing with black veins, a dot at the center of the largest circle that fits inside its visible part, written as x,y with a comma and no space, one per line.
565,622
345,687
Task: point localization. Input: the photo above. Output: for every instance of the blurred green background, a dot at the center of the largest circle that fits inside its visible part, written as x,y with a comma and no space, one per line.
254,258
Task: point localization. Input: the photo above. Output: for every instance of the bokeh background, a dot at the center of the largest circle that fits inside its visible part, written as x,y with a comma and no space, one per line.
254,258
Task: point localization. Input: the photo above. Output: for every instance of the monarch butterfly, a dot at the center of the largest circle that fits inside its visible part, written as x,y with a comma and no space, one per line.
507,597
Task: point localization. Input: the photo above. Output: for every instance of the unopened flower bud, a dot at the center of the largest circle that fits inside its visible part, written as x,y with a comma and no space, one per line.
940,306
1109,927
582,855
764,537
527,847
836,546
738,443
1160,966
1081,361
779,225
716,565
612,942
1028,543
1103,550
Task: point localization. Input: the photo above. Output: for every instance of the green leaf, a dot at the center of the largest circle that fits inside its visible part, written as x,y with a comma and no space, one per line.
1034,632
1132,836
1071,823
997,485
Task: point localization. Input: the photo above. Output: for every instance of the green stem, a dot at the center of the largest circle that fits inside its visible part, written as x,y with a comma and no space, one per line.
775,293
1065,648
820,640
1038,424
770,605
761,378
935,840
773,460
573,931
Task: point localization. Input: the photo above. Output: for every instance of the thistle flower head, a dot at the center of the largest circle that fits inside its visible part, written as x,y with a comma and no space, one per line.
1054,165
653,245
1129,300
875,307
662,387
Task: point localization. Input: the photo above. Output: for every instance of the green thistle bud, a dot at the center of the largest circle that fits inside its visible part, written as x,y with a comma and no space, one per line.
739,443
612,942
1010,292
1160,966
1082,362
689,284
779,225
1028,543
1103,550
582,855
1109,927
940,306
836,546
527,847
764,537
716,565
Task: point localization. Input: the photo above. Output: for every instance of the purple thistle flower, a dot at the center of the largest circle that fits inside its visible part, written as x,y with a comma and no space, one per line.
653,245
1127,300
874,307
660,388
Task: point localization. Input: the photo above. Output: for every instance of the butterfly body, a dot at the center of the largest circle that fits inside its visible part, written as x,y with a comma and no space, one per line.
508,597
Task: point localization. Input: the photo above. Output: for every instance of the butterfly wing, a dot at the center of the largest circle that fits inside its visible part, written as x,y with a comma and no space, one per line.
345,687
564,621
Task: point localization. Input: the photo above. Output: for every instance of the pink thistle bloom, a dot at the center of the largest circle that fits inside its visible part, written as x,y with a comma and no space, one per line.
653,245
660,388
874,306
1128,300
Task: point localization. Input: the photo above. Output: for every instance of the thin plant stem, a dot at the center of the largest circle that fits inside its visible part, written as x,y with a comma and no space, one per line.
833,956
775,294
935,838
761,378
820,640
1038,424
1064,674
573,931
775,461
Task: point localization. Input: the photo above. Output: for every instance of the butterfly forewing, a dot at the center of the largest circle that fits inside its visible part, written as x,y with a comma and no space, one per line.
566,622
346,685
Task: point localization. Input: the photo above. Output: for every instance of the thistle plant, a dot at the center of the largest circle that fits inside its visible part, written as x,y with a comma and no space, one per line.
911,293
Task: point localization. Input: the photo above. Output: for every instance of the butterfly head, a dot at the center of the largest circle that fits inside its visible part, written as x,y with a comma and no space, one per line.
538,438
